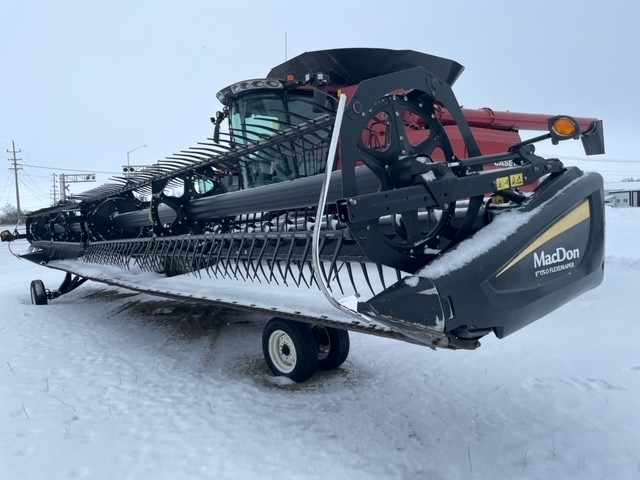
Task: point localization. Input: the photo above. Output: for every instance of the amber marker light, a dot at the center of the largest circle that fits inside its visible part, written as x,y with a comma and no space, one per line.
563,127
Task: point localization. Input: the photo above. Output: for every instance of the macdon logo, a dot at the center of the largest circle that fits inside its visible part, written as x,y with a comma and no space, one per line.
561,254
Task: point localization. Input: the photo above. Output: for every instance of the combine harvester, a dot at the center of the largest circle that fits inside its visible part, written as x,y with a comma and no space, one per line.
347,191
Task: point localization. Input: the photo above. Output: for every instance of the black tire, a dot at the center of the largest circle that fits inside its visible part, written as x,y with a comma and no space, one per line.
38,293
332,346
290,349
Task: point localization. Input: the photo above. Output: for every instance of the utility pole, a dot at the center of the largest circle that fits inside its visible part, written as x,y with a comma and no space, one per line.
15,169
55,189
63,189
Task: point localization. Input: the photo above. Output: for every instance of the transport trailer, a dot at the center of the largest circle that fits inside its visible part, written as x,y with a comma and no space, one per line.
347,190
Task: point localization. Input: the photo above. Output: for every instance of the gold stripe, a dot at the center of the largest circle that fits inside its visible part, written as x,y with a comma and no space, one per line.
578,215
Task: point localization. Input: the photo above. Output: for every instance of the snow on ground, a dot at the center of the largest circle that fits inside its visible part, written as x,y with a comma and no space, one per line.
104,384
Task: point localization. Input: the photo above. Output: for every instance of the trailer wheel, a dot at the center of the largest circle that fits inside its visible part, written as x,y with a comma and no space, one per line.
332,345
38,293
289,349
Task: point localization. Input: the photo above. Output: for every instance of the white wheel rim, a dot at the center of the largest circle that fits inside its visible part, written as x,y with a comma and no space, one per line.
282,351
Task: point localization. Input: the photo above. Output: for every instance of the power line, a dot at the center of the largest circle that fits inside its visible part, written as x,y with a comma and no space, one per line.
604,160
4,189
44,175
59,168
37,187
30,188
70,169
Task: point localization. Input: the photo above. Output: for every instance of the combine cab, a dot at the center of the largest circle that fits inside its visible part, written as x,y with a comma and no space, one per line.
347,190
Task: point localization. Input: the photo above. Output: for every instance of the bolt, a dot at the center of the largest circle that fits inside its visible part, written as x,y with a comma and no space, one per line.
353,201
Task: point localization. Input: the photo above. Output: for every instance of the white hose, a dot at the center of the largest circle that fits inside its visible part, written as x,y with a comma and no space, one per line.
315,247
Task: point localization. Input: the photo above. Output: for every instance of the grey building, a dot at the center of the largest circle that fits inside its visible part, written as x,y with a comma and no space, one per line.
622,194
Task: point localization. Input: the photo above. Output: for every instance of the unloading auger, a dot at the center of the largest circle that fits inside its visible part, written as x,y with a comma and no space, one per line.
353,176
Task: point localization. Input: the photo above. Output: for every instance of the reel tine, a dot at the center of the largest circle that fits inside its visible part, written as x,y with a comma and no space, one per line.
249,263
237,259
333,265
288,261
218,270
273,261
305,252
381,275
351,279
366,276
324,274
209,246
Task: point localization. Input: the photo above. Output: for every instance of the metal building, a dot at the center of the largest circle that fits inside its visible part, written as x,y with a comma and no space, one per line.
622,194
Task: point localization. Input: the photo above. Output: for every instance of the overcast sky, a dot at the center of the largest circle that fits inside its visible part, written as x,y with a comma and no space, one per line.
82,82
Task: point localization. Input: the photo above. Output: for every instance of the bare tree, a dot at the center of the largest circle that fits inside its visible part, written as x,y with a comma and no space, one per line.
8,214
